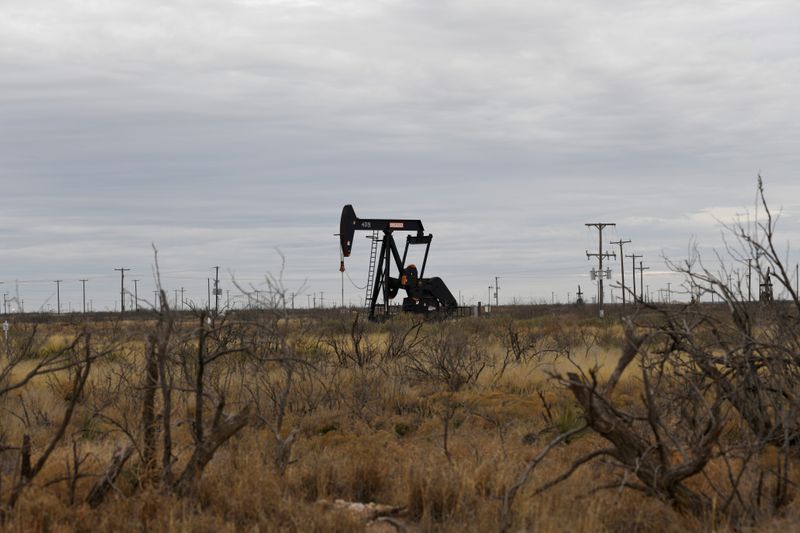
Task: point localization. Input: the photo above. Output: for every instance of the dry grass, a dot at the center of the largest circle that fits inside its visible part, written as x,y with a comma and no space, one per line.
377,436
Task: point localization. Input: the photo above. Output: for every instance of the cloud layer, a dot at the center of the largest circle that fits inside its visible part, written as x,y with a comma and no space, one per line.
221,131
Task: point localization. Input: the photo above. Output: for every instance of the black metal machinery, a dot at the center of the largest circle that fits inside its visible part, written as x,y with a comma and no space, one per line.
424,295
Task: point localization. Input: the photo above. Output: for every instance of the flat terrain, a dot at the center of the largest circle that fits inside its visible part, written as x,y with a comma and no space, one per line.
262,421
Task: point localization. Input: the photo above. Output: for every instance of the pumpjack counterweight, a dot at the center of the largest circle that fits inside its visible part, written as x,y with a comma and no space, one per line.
424,295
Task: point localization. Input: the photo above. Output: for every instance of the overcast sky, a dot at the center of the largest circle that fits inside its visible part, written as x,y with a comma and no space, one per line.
220,131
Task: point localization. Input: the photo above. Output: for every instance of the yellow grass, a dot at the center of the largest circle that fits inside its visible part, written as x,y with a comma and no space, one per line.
381,441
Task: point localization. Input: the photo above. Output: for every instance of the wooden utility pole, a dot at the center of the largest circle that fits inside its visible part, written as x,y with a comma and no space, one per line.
58,296
122,288
600,256
621,266
83,282
136,294
217,291
641,270
633,261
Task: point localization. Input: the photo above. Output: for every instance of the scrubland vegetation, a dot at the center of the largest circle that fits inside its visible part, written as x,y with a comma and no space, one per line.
261,421
668,418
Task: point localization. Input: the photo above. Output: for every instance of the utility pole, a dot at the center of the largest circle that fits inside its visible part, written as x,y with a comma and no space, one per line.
83,282
669,293
176,299
600,256
641,281
217,291
122,288
621,266
765,288
321,299
293,302
155,299
633,261
749,279
489,300
496,289
579,301
58,296
136,294
20,302
182,298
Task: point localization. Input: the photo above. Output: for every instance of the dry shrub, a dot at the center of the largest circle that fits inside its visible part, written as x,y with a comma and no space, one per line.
369,429
353,468
450,356
437,492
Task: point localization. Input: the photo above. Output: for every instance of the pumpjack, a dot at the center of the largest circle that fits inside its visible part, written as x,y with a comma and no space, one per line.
424,295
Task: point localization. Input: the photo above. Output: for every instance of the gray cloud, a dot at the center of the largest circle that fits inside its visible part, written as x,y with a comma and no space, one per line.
220,131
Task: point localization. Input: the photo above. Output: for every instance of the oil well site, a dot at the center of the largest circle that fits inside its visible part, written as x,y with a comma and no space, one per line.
399,266
412,412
